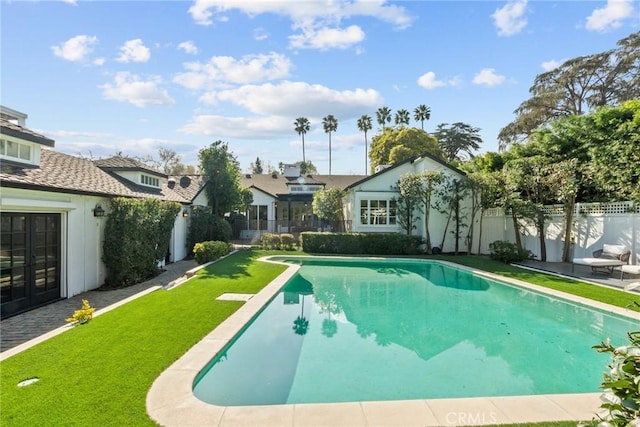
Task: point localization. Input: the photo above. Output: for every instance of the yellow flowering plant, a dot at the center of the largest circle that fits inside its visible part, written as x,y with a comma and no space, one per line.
83,315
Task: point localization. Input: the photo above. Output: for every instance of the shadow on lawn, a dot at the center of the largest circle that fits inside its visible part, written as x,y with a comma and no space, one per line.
232,267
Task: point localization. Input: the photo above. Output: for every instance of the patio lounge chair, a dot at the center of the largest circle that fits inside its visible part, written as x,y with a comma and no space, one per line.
609,257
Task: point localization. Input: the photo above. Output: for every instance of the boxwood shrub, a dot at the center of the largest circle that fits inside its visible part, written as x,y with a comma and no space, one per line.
210,251
360,243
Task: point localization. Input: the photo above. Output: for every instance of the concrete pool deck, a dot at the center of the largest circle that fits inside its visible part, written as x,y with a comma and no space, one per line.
171,402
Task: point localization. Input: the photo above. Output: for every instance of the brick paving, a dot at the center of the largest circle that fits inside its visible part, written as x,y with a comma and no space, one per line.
26,326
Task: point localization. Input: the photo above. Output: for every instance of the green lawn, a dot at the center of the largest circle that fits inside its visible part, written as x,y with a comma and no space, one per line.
99,374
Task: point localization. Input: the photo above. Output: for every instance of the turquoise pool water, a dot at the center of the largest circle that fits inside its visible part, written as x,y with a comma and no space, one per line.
358,330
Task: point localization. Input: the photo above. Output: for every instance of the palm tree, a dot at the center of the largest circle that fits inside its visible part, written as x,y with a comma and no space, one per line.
364,125
302,126
383,116
421,113
402,117
330,124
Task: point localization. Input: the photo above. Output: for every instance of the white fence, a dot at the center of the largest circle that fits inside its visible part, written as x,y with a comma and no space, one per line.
594,224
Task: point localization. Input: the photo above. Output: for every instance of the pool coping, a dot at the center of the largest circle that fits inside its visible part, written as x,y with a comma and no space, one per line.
171,402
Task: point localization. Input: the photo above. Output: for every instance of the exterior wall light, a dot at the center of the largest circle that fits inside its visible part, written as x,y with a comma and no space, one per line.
185,213
98,211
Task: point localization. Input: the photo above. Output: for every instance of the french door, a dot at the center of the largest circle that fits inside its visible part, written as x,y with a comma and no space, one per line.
29,259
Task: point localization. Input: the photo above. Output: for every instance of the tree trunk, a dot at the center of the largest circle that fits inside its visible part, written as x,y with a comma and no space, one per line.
426,226
516,230
480,230
568,225
541,237
444,235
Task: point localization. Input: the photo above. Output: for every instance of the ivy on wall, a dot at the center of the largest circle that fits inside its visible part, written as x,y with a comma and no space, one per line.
136,238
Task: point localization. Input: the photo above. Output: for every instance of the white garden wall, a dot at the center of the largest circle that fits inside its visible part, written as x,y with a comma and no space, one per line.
594,225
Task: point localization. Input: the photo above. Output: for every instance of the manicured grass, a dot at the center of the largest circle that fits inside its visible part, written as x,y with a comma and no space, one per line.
99,374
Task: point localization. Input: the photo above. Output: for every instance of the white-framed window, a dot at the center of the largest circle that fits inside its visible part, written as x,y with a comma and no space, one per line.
305,188
377,212
149,180
16,150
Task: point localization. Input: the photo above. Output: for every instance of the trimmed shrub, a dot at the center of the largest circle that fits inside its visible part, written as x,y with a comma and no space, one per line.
204,226
360,243
288,242
210,251
136,238
508,252
270,241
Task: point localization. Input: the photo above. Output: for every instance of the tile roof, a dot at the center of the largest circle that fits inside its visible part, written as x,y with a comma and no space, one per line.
10,128
278,184
186,186
70,174
122,163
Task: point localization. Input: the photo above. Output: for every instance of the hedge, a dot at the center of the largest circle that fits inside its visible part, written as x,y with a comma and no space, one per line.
360,243
210,251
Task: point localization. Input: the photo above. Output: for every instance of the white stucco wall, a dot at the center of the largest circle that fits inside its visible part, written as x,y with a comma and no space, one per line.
178,243
81,244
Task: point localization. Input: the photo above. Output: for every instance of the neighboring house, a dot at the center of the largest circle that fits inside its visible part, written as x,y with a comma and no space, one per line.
283,203
371,202
52,208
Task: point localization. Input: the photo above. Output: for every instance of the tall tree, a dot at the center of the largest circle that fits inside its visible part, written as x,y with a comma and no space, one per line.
302,126
329,124
395,145
256,167
364,125
328,205
222,172
402,118
458,138
577,86
421,113
383,116
408,203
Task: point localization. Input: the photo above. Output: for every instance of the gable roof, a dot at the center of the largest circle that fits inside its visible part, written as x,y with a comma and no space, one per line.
410,160
122,163
70,174
279,184
17,131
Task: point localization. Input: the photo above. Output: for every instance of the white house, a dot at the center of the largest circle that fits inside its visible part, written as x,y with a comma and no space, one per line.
52,208
370,205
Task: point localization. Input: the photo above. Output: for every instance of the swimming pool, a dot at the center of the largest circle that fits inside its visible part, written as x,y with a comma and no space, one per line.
345,330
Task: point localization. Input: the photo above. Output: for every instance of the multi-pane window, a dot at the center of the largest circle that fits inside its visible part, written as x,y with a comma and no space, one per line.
150,180
378,212
15,149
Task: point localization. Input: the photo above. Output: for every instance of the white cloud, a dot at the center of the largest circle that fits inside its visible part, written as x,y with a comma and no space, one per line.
551,64
428,81
188,47
260,34
303,13
134,51
488,77
238,127
610,16
76,48
131,88
327,38
99,61
510,19
225,69
71,2
77,134
292,99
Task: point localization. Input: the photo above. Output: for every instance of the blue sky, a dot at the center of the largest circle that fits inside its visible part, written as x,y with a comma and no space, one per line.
102,77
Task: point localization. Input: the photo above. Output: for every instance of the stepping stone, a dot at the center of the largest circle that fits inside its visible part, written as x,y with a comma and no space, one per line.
235,297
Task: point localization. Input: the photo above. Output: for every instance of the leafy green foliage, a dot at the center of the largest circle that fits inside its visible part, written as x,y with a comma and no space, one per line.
327,204
210,251
413,141
137,235
222,171
508,252
577,86
360,243
621,398
408,203
274,241
458,138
